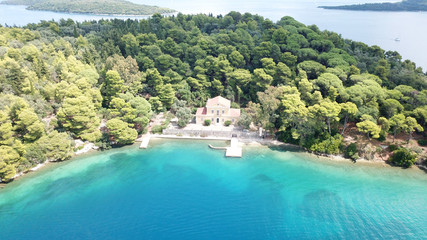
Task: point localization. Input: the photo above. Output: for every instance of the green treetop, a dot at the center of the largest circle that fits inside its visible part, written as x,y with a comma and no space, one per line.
370,128
113,85
78,116
120,132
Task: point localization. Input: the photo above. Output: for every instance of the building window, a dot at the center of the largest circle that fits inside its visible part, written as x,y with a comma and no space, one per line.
222,111
212,120
233,120
212,111
217,112
223,120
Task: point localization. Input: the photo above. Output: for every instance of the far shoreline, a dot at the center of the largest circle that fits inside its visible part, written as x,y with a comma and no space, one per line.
93,14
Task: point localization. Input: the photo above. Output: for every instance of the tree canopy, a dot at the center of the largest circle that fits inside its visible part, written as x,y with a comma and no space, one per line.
65,79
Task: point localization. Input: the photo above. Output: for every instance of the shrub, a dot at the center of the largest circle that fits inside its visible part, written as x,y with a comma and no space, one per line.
235,105
392,148
331,145
55,146
383,136
422,142
121,132
157,129
403,157
351,151
245,120
182,123
227,123
286,136
207,122
416,149
34,154
184,116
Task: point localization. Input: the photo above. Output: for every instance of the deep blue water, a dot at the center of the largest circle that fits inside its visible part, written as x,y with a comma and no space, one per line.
184,190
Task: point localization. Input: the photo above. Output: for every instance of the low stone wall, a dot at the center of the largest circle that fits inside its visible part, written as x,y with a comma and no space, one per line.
210,133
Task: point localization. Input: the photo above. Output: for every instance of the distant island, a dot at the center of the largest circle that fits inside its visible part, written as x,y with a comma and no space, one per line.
114,7
407,5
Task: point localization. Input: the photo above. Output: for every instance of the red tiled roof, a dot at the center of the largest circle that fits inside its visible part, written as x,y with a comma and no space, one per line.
213,102
234,112
201,111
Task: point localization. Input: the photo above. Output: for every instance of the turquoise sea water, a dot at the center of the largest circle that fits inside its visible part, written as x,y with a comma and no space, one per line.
184,190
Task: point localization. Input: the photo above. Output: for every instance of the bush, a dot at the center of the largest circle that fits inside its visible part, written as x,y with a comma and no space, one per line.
207,122
392,148
235,105
422,142
227,123
416,149
157,129
104,143
331,145
286,136
383,136
57,146
245,120
121,132
184,116
403,157
182,123
34,154
351,152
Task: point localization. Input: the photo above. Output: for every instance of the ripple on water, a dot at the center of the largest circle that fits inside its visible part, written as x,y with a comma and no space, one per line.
184,190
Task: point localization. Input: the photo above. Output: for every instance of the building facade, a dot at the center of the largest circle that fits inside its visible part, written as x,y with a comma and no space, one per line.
218,111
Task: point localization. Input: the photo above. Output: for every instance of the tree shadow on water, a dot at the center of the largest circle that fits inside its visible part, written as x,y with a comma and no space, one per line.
287,148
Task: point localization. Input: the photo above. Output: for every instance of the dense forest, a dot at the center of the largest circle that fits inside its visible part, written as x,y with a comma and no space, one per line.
101,81
119,7
406,5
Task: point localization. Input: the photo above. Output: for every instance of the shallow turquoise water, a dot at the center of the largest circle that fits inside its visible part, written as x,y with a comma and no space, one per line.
184,190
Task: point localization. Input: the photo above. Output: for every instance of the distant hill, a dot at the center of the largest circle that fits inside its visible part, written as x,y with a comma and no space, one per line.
116,7
407,5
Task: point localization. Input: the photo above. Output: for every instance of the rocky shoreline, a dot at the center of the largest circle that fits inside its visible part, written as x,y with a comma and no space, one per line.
87,147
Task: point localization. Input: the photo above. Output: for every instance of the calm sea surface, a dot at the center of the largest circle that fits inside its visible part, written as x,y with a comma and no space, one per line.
184,190
373,28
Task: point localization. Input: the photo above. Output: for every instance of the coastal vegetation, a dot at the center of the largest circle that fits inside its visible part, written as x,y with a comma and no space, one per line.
101,81
110,7
403,157
405,5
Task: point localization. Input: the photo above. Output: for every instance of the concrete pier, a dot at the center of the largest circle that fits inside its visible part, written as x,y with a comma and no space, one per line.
234,150
145,141
217,148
